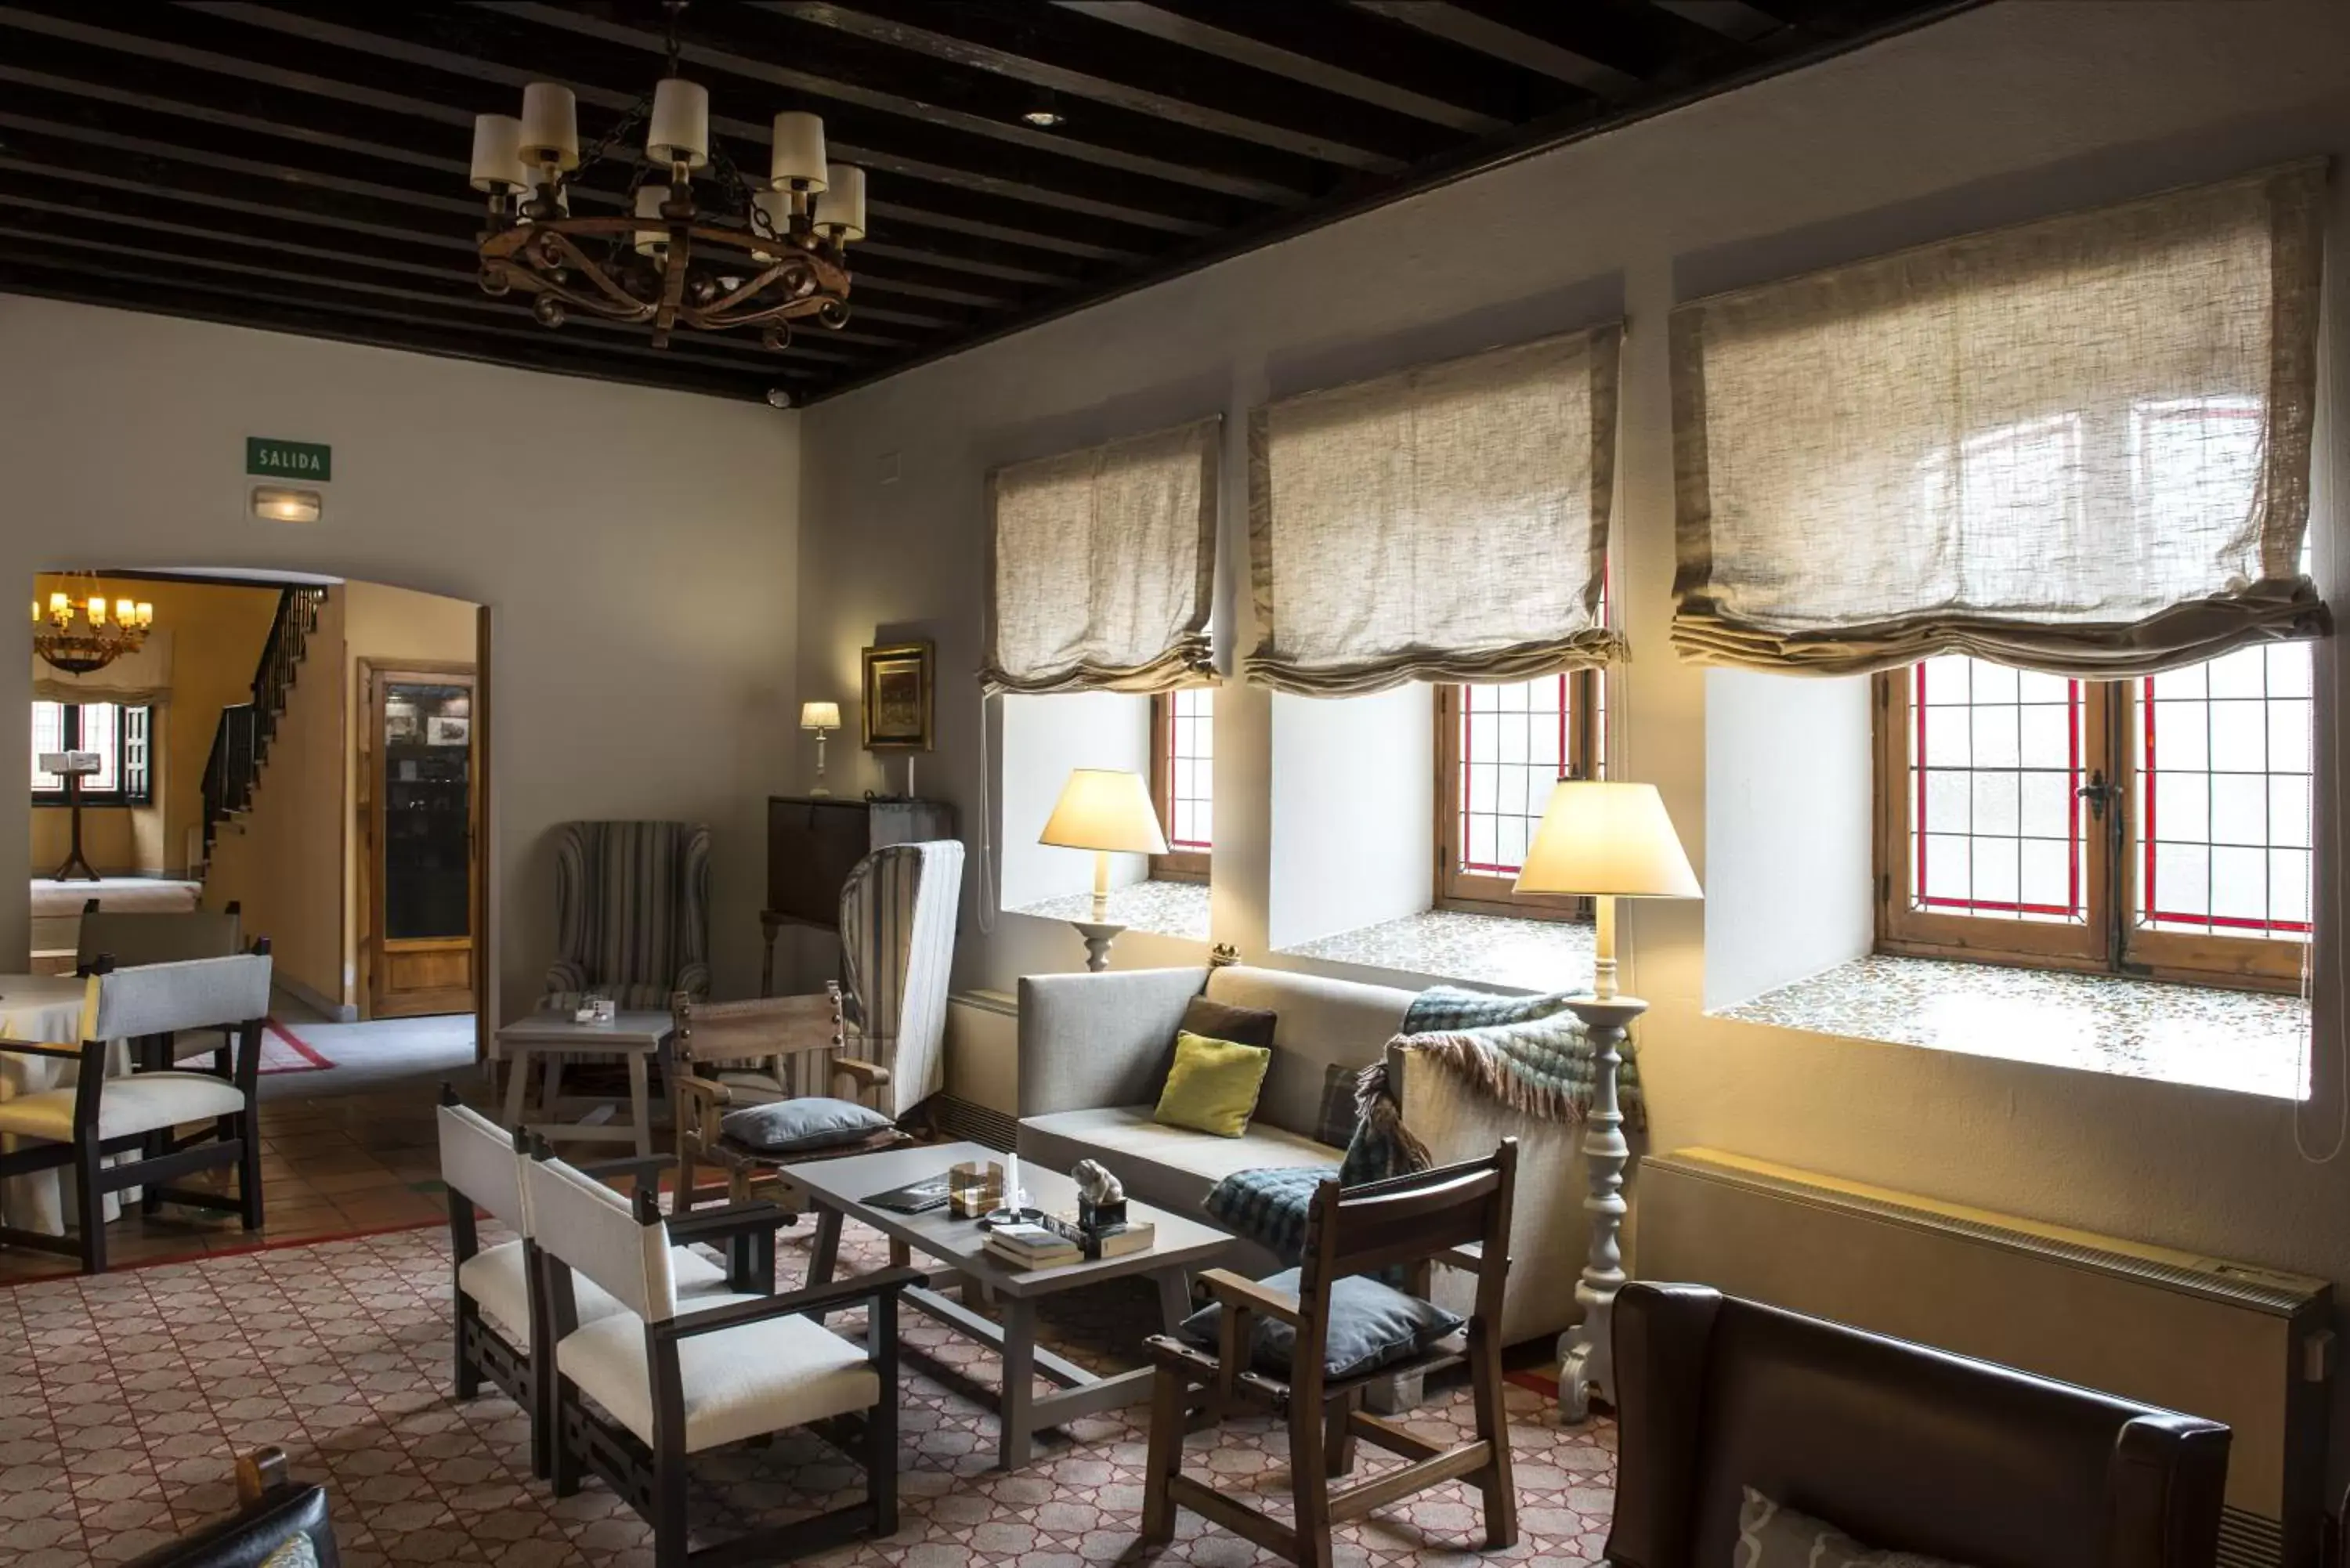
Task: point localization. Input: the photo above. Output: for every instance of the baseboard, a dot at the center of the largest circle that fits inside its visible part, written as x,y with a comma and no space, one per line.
333,1011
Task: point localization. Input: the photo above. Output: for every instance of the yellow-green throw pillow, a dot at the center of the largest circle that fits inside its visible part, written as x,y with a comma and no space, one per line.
1214,1085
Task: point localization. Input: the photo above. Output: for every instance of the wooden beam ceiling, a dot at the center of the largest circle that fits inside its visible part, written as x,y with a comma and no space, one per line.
302,167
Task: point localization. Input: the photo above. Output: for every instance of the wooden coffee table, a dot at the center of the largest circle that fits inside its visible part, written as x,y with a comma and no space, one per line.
640,1039
839,1186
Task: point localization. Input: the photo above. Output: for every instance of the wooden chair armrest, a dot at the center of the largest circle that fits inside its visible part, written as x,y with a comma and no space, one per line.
725,1223
832,1297
699,1102
871,1074
1248,1295
32,1048
642,1170
1469,1257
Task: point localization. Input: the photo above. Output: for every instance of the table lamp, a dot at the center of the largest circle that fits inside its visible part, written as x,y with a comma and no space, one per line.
819,717
1604,841
1109,813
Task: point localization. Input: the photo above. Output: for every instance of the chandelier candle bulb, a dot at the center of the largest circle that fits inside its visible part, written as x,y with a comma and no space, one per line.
60,608
497,154
681,124
146,615
799,163
96,611
550,126
126,612
841,209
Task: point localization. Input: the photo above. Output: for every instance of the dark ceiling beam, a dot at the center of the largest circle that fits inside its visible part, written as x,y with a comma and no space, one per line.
175,262
1172,28
269,314
1732,18
321,31
808,82
1440,20
1079,84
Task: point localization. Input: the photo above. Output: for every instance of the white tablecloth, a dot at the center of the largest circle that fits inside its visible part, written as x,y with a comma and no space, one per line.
47,1010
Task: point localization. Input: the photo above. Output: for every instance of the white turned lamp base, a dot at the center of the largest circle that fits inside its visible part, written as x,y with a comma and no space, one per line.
1099,935
1586,1358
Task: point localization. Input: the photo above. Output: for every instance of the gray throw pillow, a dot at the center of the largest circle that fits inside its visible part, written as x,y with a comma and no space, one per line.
1371,1326
803,1126
1772,1536
1340,1113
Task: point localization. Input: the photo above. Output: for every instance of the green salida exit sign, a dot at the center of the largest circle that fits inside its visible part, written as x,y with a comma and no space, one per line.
275,459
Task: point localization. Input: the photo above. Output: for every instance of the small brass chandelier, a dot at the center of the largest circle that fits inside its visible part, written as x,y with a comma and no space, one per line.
79,635
727,254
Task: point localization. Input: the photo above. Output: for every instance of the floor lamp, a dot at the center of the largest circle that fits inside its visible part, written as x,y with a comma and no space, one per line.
1604,841
1109,813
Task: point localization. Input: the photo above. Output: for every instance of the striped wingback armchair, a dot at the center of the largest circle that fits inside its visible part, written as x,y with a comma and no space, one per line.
632,914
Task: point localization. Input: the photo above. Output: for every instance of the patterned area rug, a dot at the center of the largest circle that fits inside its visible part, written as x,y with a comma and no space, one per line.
119,1422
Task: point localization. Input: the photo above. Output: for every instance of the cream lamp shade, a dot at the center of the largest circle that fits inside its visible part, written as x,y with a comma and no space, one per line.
1105,809
819,715
1607,839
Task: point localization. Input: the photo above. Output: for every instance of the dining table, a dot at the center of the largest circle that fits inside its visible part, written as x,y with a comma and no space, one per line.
45,1010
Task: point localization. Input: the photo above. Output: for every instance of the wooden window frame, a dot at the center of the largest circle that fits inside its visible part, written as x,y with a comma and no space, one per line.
127,793
1481,893
1176,865
2110,939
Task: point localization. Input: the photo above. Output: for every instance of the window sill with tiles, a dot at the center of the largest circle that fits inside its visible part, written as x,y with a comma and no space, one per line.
2252,1043
1162,908
1478,950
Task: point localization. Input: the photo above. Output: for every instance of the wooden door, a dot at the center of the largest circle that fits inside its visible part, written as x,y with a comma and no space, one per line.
419,759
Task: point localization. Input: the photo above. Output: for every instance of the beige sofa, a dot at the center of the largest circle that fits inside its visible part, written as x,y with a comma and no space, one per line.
1094,1048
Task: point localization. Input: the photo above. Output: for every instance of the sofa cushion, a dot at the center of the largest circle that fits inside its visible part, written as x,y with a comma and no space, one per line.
1173,1167
1213,1084
497,1281
1221,1020
1371,1325
1321,1020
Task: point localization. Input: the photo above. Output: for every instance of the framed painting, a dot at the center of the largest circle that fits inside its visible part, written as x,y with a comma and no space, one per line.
898,697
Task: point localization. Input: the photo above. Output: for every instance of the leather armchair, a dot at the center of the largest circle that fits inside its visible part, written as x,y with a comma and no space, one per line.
1900,1446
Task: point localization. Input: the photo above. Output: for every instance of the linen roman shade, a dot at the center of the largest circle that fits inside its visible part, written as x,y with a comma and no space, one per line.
139,679
2079,445
1101,564
1447,523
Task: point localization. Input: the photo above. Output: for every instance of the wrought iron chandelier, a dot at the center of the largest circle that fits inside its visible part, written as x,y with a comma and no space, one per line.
79,635
726,253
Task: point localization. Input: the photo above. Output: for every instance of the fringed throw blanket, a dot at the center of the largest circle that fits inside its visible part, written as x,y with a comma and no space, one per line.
1527,1052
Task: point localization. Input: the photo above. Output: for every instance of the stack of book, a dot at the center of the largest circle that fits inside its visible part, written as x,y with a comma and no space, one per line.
1028,1247
1117,1240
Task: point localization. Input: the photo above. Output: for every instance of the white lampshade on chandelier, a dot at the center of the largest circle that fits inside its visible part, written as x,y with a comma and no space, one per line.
686,238
78,633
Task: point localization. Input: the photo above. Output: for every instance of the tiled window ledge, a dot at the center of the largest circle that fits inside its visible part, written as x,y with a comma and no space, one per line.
1486,949
1163,908
2253,1043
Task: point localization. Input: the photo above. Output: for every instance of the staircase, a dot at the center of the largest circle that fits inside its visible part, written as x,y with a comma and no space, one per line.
241,743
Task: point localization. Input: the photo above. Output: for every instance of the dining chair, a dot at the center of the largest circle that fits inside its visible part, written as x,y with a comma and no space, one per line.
667,1384
497,1315
87,1126
1456,1214
135,937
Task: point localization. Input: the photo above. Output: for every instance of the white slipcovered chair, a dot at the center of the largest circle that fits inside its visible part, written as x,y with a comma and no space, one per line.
87,1126
880,1037
666,1383
498,1317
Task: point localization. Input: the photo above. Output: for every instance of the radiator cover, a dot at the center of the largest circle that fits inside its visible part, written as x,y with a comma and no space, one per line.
2228,1341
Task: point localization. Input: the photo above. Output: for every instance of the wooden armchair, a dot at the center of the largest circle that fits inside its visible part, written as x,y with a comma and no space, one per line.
1456,1214
271,1510
752,1052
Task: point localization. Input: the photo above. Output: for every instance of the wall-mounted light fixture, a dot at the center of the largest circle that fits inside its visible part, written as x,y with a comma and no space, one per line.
276,503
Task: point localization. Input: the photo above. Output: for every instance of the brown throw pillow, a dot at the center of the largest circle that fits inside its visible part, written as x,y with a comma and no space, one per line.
1772,1536
1221,1021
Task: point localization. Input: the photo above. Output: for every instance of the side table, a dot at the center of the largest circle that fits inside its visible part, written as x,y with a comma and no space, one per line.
640,1039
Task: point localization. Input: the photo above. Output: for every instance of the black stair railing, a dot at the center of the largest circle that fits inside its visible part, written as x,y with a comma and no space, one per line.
241,741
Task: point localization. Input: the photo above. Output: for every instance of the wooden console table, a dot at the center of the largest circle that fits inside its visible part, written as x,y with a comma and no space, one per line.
813,844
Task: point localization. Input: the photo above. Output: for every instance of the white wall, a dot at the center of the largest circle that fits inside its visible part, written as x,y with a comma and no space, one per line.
1787,818
1043,738
637,548
2002,113
1353,811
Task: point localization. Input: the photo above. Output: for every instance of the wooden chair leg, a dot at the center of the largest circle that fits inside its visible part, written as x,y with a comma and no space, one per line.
670,1526
1496,1480
1338,1434
1309,1485
92,1207
248,1170
564,1465
464,1377
882,1461
1165,1457
157,1144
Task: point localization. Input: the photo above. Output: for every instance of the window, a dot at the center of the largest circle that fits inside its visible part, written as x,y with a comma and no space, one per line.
2158,827
1499,750
1182,781
118,735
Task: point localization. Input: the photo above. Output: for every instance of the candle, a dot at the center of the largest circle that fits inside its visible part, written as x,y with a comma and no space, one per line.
96,611
679,132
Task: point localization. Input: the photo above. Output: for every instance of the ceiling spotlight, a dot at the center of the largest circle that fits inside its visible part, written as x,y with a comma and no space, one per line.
1044,119
778,398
